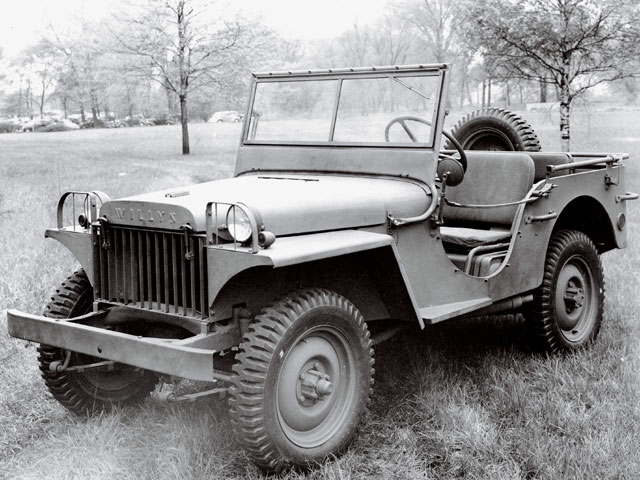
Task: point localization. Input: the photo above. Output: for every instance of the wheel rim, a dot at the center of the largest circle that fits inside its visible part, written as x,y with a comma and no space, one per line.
575,298
316,387
489,139
103,381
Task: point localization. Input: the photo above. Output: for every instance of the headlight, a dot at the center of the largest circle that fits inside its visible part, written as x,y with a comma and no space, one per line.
238,224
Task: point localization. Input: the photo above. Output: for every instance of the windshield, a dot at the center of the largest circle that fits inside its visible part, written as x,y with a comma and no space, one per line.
383,109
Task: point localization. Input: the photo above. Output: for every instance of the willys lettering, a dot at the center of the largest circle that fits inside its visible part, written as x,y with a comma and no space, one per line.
145,216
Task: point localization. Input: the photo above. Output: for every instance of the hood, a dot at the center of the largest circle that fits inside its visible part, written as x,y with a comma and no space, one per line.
285,204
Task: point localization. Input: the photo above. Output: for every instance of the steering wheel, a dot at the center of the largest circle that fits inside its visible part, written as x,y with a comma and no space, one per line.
402,121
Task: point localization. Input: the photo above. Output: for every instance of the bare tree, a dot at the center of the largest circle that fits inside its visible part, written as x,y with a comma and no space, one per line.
355,45
439,25
43,63
184,47
82,76
391,40
573,45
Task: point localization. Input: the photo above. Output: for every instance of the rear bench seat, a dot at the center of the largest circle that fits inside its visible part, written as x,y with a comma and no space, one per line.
491,178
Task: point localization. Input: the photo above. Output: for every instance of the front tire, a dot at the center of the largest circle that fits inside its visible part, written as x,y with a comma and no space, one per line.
566,313
91,391
303,380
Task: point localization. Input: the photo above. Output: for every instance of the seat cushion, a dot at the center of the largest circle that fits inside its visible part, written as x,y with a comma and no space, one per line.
473,237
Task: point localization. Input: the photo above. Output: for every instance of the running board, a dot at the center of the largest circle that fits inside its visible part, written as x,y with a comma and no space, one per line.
438,313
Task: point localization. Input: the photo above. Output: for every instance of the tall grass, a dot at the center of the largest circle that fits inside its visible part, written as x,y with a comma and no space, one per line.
465,399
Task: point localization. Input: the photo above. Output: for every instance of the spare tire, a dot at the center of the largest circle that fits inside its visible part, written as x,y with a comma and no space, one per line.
495,129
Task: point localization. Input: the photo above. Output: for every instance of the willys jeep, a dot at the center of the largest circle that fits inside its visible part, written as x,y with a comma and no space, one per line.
344,222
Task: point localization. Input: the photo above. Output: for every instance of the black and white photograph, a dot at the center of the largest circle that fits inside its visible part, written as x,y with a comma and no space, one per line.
358,239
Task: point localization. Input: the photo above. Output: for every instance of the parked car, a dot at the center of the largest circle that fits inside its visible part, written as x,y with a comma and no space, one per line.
8,125
35,124
116,123
91,123
341,226
62,125
226,116
163,120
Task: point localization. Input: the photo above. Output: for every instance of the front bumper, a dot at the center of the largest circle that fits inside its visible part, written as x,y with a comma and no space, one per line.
171,357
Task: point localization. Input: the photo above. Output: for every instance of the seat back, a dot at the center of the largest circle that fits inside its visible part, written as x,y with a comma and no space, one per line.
491,178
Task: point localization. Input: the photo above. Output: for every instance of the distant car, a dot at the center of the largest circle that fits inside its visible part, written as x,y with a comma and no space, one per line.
163,120
226,116
9,125
116,124
98,123
36,124
58,126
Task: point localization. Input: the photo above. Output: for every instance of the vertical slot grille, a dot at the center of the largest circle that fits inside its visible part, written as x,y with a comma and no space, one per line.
148,269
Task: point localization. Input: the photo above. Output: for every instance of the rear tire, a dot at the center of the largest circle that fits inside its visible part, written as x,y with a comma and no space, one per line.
304,375
85,393
495,129
566,313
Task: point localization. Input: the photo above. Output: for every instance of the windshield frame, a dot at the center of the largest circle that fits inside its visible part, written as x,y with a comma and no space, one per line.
339,75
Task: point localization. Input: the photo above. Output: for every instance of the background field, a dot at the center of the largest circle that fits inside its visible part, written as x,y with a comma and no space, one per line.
464,399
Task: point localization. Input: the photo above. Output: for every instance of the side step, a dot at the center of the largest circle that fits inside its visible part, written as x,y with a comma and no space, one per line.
438,313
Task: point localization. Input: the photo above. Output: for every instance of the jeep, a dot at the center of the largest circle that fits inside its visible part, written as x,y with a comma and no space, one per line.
345,221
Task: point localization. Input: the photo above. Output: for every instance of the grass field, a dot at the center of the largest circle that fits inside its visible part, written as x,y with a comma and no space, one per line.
460,400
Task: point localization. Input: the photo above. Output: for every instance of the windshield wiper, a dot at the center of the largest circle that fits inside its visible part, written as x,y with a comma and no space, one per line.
406,85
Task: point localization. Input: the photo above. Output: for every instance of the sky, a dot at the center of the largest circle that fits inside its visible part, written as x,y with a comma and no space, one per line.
23,21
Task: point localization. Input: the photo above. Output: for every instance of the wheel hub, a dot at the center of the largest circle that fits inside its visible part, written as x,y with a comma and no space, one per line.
314,385
573,296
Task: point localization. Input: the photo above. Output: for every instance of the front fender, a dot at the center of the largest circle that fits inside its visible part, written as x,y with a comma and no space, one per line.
79,244
361,265
225,263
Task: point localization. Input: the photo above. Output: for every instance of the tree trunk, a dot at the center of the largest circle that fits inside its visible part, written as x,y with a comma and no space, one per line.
95,109
484,93
42,99
520,91
489,93
185,126
169,93
565,104
543,92
565,121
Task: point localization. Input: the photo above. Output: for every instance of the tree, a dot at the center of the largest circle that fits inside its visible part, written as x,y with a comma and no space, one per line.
184,48
39,64
391,40
355,45
82,77
439,25
572,45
